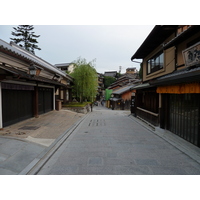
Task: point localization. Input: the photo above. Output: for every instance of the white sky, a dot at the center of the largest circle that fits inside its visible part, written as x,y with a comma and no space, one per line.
111,45
107,30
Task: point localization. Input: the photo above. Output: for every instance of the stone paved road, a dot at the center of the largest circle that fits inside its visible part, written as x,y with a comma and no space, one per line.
20,145
110,143
15,155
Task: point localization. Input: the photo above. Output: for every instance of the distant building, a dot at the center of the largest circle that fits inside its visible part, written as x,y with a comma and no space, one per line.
122,89
121,97
132,70
100,92
111,73
65,67
125,79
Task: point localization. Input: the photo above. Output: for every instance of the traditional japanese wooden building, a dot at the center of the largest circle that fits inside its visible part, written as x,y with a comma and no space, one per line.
124,80
169,96
121,97
29,86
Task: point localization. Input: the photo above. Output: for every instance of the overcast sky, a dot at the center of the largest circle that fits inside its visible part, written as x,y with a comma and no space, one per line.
111,45
109,31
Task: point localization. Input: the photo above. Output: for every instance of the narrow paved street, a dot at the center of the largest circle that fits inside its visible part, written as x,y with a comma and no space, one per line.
109,142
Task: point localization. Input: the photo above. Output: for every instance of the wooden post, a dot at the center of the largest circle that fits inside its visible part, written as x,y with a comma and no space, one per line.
136,104
35,102
64,95
59,92
70,95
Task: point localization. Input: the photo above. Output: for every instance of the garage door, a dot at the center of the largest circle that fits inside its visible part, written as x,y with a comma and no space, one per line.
17,105
45,100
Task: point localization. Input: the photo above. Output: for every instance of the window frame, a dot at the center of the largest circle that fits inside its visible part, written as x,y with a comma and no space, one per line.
151,63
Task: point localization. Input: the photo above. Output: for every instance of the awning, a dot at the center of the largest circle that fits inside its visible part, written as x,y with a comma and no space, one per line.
177,77
122,89
115,99
142,86
179,89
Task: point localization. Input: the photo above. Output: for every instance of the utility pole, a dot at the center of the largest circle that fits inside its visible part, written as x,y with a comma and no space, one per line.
120,68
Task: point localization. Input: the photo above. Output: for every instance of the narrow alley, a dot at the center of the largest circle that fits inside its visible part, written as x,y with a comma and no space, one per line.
110,142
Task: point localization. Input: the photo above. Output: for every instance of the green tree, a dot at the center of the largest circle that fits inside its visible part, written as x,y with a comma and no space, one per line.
25,37
85,80
108,80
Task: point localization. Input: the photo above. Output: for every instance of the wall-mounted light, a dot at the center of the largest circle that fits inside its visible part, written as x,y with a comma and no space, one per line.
32,70
57,77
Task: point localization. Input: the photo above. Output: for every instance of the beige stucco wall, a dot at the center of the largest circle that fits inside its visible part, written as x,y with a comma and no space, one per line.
172,57
169,64
169,61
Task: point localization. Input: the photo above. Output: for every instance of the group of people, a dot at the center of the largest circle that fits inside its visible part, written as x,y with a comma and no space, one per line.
98,103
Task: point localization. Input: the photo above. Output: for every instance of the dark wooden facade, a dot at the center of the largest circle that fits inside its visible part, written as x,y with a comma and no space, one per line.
24,94
147,103
170,94
17,105
183,116
45,100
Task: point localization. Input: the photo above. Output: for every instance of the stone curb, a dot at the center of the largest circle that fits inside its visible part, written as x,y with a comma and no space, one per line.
187,148
34,167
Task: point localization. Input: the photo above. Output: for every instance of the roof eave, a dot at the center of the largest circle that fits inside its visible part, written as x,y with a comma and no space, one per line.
14,50
182,36
151,42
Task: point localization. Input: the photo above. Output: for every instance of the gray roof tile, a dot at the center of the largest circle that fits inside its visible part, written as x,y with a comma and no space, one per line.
17,50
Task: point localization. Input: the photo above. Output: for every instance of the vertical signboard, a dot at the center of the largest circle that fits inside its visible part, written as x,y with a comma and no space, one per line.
191,55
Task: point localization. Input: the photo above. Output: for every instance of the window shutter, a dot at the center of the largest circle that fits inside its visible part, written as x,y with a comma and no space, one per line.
170,57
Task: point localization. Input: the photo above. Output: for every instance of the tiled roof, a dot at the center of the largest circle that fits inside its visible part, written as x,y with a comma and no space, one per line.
62,65
27,76
156,37
24,54
111,73
122,90
179,76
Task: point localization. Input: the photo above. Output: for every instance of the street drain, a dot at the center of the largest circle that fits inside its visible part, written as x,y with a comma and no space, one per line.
29,128
97,122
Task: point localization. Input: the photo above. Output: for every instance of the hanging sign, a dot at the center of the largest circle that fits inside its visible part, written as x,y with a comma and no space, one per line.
191,55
